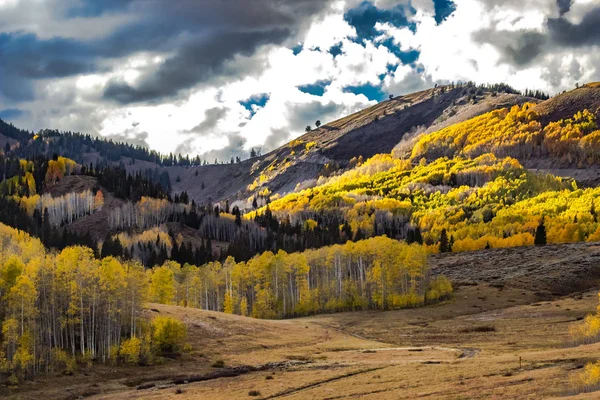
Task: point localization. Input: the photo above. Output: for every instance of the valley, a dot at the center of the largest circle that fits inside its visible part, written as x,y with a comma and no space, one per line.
487,342
504,334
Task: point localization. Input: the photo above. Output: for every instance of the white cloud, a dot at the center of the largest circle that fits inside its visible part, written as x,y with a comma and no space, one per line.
447,52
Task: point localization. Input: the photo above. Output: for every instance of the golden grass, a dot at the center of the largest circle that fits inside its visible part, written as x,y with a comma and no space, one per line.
437,352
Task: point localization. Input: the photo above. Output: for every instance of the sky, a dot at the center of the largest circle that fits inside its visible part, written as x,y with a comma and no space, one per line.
219,77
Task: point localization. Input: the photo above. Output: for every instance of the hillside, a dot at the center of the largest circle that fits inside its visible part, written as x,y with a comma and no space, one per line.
374,130
565,105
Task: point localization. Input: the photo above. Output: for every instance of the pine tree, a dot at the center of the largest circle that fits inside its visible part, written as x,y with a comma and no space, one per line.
540,234
418,236
444,244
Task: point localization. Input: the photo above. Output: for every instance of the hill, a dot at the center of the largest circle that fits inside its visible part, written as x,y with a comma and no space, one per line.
374,130
377,129
448,171
566,104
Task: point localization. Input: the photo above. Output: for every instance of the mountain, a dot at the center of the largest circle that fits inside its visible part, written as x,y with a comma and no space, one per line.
377,129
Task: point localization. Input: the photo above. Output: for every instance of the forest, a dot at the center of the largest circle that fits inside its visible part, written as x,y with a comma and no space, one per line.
58,309
464,180
516,133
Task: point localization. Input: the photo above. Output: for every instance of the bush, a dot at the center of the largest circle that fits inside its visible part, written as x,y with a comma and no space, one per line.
168,334
254,393
219,364
479,329
130,350
588,380
440,288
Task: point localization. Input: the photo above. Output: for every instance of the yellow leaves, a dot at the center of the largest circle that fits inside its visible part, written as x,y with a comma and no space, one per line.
22,297
587,332
168,334
310,225
589,379
99,200
244,307
310,146
162,289
440,288
130,350
57,169
112,275
10,270
295,143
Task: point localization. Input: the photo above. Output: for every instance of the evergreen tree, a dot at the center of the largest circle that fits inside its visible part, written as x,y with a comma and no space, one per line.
418,236
540,234
444,243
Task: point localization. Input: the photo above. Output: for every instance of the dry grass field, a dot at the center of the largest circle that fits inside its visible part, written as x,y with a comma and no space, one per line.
487,343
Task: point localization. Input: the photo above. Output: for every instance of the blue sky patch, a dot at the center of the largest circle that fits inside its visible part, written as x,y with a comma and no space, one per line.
316,89
297,49
443,9
370,91
336,50
406,57
364,17
258,100
10,114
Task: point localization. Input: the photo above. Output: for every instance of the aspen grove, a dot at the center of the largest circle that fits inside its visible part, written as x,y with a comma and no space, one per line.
70,305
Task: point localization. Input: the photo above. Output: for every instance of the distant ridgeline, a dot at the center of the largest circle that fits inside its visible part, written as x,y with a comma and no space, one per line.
75,145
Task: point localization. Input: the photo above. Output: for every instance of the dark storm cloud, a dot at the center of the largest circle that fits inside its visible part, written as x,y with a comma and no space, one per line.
94,8
522,48
23,58
195,62
305,114
586,33
277,138
132,137
234,147
201,34
215,33
212,116
519,48
564,6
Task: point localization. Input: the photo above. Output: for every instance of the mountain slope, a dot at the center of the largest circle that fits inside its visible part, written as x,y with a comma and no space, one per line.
374,130
566,104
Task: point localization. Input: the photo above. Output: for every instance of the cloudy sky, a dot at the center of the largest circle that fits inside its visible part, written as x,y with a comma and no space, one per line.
218,77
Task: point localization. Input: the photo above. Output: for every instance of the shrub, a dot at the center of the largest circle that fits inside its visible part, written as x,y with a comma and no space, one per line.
130,350
168,334
479,329
219,364
589,379
440,288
